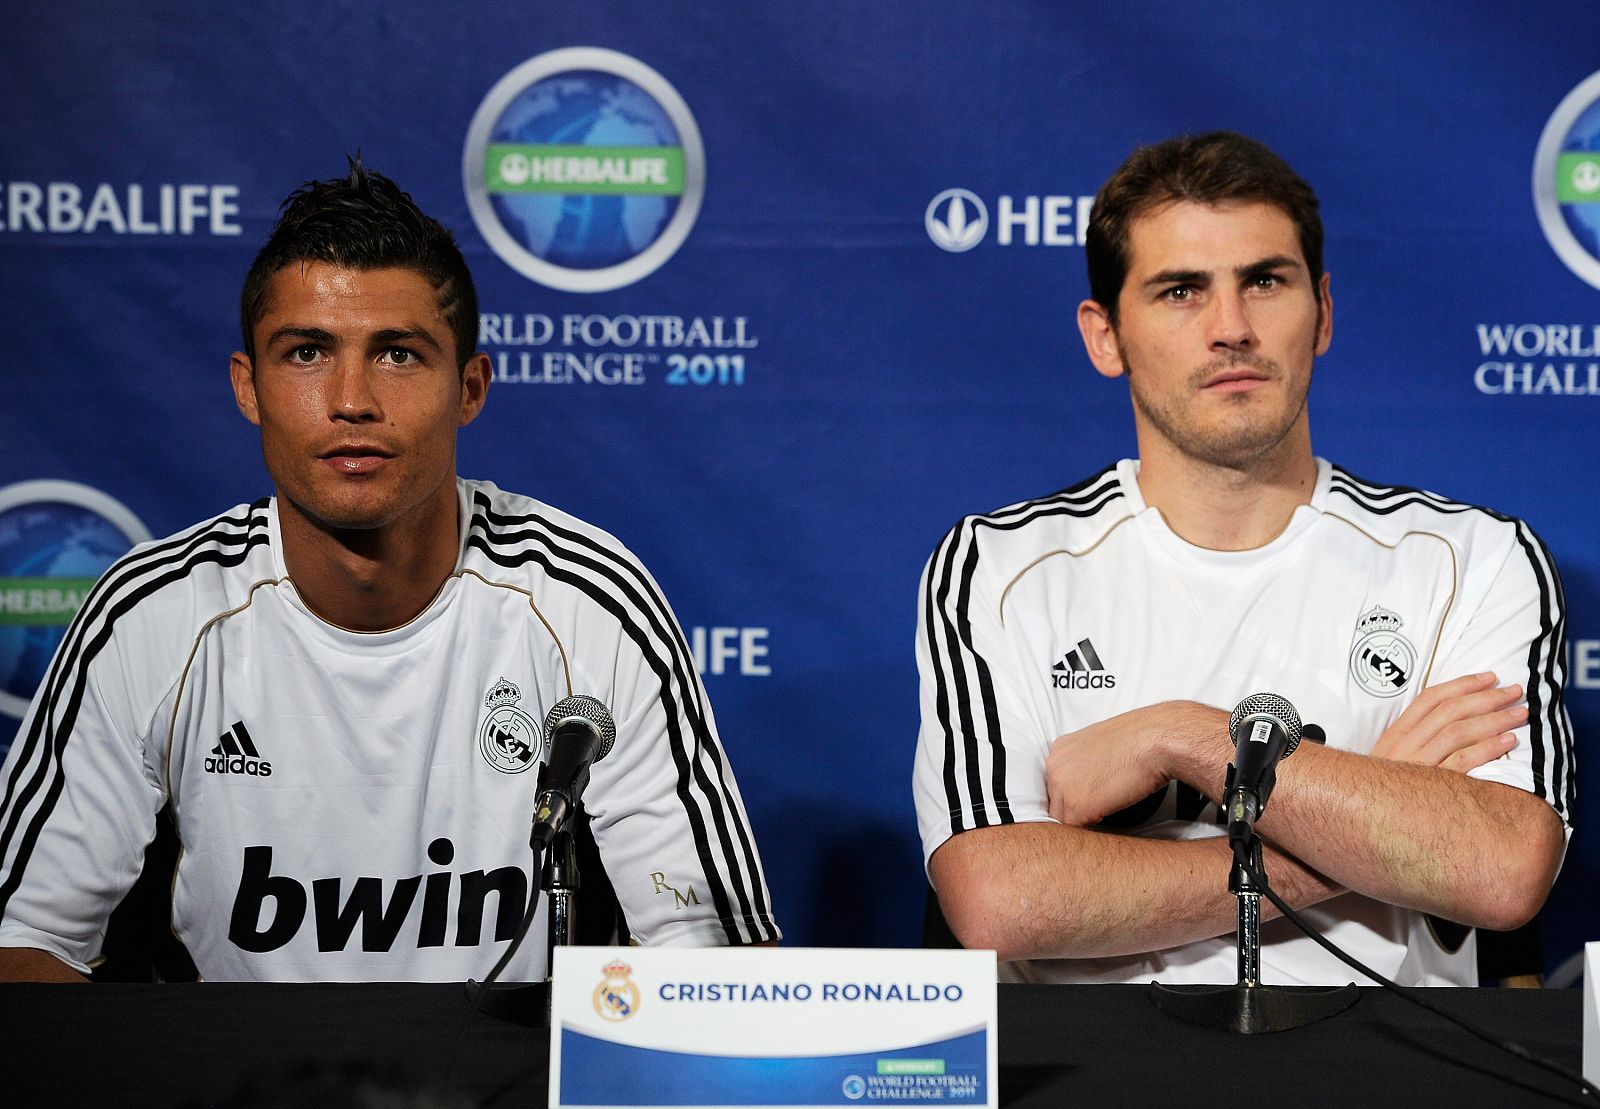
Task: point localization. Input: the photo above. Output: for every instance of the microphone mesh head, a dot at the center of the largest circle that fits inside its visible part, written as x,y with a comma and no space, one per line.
584,707
1271,705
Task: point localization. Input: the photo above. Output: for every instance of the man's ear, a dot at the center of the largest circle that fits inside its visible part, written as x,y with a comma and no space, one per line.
1324,315
243,376
475,377
1100,338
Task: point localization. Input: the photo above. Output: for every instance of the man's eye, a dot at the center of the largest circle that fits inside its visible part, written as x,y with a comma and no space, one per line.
1266,281
400,356
304,355
1180,292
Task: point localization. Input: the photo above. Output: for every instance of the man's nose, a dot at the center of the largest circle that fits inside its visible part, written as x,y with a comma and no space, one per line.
352,396
1228,324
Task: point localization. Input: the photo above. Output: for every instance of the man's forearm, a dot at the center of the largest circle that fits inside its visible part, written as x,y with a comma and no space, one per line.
1047,890
1476,852
27,964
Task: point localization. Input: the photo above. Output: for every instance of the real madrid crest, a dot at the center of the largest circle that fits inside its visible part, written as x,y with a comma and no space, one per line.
616,997
1382,660
509,739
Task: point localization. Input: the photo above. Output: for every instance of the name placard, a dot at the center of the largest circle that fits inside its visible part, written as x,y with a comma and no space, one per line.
794,1026
1591,1012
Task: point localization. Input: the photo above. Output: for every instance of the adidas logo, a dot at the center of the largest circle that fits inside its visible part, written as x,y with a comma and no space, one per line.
1081,669
235,753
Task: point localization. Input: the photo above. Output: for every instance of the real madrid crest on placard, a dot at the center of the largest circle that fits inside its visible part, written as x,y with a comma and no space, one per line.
1382,660
616,997
509,739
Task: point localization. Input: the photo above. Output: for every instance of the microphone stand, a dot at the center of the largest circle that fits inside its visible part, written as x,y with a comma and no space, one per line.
561,883
1247,1006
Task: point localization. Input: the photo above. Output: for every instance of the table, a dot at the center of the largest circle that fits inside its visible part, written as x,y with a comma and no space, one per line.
196,1044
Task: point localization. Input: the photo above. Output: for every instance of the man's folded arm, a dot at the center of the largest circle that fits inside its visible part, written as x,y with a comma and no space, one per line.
1410,828
1407,825
28,964
1480,853
1045,890
1451,816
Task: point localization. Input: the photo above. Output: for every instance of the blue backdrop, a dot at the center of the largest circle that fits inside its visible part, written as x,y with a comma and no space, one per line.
741,321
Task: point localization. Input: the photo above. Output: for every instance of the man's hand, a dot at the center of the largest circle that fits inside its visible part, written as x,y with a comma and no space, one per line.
1096,771
1456,725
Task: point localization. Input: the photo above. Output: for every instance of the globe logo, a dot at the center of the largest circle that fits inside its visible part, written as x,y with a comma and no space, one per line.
1566,180
56,539
584,169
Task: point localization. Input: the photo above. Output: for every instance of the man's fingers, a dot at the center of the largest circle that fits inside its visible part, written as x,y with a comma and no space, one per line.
1467,705
1414,727
1452,716
1468,736
1479,753
1450,690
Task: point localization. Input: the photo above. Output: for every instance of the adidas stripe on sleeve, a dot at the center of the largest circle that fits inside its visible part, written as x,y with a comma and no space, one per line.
83,780
986,730
671,747
1513,623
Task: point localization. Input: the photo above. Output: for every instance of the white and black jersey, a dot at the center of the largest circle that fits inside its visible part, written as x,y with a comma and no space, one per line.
355,806
1047,616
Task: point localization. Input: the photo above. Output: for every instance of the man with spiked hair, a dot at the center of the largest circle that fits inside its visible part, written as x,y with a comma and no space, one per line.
334,693
1079,652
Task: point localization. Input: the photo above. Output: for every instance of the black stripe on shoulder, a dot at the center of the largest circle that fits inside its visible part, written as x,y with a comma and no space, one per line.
1384,499
597,570
127,585
1085,498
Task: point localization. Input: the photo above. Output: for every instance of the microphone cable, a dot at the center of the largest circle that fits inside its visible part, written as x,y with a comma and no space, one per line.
477,992
1241,856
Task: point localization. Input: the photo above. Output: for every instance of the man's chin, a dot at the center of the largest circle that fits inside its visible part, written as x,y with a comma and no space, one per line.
344,519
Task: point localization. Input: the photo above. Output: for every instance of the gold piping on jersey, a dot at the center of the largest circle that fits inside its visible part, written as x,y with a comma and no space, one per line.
1004,593
194,649
566,669
1455,576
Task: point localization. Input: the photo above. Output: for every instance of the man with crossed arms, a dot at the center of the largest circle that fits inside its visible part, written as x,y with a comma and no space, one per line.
1079,652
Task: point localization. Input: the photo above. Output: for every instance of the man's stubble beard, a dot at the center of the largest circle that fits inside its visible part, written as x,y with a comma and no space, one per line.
1238,441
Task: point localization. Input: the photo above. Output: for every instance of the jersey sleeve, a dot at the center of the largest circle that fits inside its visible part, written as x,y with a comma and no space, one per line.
1518,631
78,799
981,746
665,809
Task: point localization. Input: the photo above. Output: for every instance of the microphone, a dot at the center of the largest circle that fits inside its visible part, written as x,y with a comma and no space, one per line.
578,731
1265,728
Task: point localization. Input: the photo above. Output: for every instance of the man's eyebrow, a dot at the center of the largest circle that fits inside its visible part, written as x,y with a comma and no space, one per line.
1267,265
407,335
309,334
1178,277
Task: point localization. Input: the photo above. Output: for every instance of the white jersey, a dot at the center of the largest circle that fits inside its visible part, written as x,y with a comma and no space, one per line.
1048,616
355,806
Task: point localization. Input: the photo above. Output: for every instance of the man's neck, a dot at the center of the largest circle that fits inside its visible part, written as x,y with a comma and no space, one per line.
371,580
1224,508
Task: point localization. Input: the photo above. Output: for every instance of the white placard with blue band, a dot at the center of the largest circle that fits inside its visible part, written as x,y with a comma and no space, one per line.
634,1026
1591,1012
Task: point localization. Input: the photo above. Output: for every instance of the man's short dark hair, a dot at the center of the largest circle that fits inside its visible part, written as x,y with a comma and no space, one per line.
363,222
1213,168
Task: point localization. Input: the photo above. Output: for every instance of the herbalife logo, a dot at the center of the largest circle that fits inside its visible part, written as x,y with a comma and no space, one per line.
235,753
584,169
1566,180
956,220
1081,669
1584,176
